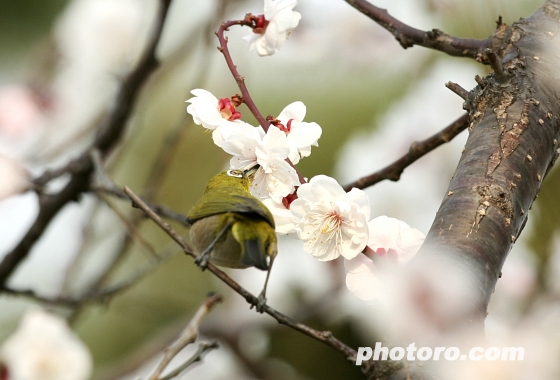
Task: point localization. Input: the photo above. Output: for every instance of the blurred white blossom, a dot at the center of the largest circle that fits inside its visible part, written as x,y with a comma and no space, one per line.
301,135
274,26
391,241
44,348
332,222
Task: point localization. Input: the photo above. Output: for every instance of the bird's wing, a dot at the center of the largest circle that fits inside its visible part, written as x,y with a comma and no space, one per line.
222,202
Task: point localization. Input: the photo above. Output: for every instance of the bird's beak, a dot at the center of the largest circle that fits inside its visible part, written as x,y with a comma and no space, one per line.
251,172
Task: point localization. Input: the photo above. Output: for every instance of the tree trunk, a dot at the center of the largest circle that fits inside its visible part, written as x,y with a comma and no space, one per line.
513,142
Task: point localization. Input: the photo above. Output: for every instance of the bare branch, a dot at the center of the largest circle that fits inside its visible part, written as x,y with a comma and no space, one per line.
203,348
322,336
95,294
238,78
409,36
187,336
417,149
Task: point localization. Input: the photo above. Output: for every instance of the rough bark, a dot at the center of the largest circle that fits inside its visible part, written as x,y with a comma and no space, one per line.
513,141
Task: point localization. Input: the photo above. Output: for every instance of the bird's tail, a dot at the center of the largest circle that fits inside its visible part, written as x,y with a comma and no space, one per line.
254,255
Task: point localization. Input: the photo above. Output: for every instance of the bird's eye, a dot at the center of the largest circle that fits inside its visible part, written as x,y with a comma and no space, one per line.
235,173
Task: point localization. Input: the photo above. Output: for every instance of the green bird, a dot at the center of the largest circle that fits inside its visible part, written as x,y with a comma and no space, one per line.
231,228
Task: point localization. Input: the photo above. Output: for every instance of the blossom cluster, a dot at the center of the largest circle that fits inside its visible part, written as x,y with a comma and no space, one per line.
330,221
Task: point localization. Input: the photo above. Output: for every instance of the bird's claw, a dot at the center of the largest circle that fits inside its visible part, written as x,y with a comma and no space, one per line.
261,303
202,261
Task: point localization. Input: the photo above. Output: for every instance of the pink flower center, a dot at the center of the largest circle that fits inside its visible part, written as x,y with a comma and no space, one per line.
286,129
261,24
331,223
390,254
227,109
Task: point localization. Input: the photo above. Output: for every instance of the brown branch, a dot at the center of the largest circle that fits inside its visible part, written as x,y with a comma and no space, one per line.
409,36
322,336
109,134
457,89
248,21
417,149
223,48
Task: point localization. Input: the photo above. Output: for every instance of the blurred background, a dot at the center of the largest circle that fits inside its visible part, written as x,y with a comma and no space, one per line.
62,64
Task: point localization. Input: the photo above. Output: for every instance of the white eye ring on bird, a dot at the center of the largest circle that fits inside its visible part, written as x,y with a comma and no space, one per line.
235,173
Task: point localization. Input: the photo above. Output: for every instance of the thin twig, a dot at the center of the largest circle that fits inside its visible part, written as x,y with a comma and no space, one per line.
409,36
496,63
103,184
131,229
187,336
202,350
322,336
456,88
94,295
238,78
109,134
162,210
241,80
417,149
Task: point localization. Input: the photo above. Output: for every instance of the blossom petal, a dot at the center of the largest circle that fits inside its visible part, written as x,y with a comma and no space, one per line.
362,278
284,219
295,110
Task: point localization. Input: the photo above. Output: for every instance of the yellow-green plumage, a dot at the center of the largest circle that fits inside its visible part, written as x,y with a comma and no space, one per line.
242,225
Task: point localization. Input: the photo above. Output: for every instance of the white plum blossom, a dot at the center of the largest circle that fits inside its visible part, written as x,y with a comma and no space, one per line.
275,178
216,115
391,241
284,220
332,222
44,348
301,135
274,26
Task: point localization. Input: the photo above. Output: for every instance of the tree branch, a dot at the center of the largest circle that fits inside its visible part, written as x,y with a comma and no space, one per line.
223,48
107,137
409,36
417,149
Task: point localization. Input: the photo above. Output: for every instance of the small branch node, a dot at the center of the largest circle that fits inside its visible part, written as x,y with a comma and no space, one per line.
479,80
496,64
456,88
